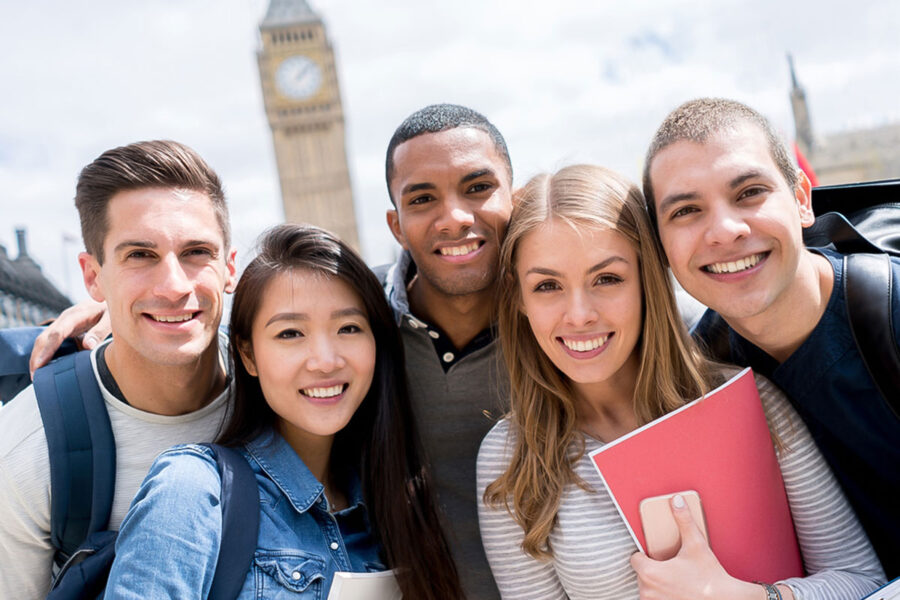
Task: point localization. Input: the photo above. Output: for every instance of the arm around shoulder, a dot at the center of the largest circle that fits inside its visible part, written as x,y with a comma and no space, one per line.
169,541
837,555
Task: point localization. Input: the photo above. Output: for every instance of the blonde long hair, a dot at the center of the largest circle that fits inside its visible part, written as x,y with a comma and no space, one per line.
542,416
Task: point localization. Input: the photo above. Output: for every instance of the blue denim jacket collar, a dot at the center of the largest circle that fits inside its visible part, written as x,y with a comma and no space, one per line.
283,466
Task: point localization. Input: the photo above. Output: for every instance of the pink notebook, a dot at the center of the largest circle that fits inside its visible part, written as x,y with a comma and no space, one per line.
720,446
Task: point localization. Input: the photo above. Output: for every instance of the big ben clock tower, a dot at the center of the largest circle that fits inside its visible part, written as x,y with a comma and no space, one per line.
303,105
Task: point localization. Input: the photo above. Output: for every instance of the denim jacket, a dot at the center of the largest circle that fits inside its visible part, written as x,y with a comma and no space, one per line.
169,541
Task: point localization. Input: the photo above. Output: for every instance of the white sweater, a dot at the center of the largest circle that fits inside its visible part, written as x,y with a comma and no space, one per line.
592,546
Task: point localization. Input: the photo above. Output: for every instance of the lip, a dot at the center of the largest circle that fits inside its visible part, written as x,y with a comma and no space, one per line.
585,337
329,400
740,275
172,325
463,257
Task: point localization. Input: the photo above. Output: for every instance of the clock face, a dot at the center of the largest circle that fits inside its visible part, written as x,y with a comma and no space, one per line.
298,77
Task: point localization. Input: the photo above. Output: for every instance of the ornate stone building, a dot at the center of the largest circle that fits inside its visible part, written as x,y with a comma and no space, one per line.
848,156
26,297
303,106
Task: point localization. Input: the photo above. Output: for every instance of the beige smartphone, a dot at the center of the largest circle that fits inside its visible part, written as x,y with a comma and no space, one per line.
660,529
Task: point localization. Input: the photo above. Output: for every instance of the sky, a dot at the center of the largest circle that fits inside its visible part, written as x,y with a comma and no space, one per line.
565,81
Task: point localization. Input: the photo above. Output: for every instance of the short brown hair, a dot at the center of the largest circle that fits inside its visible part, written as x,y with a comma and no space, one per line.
158,163
698,120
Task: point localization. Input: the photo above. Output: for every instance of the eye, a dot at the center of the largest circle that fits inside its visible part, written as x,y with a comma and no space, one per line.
607,279
546,286
750,192
139,254
479,187
289,334
199,252
682,211
419,200
350,328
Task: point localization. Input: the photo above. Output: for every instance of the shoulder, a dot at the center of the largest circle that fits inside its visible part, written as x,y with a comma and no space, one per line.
497,446
183,471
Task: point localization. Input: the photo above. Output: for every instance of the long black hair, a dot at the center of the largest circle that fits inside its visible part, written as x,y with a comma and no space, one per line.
381,439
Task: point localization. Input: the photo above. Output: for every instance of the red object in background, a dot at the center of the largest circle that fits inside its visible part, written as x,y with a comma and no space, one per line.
805,166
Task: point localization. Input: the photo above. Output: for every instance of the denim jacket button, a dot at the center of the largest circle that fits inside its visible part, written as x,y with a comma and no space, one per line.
295,575
334,545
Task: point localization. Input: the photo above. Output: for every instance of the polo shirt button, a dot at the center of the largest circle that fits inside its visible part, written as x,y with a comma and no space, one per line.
434,334
295,575
448,356
334,545
413,324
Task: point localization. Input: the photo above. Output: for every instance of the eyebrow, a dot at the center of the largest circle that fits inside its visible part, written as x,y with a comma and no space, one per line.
666,202
151,245
417,187
477,175
599,266
337,314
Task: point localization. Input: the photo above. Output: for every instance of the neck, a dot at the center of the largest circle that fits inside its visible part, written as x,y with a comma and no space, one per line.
786,324
605,410
460,317
166,389
315,452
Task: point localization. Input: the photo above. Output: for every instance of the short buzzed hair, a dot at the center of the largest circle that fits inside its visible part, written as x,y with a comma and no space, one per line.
698,120
158,163
441,117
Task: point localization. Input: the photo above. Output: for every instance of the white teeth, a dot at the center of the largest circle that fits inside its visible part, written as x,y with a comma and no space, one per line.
173,318
585,345
735,266
459,250
320,392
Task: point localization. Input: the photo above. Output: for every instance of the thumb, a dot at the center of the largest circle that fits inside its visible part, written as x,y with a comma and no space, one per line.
687,527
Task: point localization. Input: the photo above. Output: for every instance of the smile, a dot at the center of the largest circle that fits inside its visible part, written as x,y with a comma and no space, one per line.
737,266
324,392
173,318
460,250
585,345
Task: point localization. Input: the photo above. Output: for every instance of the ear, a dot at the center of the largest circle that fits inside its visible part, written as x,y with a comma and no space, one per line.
246,352
393,221
90,271
231,271
803,193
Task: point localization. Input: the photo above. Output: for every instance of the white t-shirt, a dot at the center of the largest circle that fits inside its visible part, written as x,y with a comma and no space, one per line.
26,554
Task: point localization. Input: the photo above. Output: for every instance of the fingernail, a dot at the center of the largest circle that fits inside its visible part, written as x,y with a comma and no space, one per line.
89,342
678,501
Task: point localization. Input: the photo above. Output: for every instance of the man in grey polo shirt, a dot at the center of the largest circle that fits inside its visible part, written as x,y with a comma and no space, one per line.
449,177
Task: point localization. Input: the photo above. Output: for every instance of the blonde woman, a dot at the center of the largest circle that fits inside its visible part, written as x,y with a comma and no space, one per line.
595,348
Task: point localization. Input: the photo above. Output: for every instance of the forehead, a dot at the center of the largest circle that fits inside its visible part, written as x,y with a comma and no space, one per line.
161,214
726,153
451,153
308,292
584,244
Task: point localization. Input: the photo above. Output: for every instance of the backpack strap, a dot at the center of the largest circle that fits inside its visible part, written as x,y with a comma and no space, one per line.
81,449
869,291
240,523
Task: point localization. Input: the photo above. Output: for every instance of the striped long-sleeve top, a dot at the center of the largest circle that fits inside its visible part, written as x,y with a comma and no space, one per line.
591,545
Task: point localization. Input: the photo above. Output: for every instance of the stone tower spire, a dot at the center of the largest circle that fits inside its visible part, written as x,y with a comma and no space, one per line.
802,123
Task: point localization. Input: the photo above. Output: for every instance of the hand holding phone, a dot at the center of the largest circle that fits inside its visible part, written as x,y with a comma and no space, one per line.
661,535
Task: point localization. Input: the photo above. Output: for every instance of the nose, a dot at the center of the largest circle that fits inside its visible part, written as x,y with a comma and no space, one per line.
456,215
580,309
726,224
324,355
174,283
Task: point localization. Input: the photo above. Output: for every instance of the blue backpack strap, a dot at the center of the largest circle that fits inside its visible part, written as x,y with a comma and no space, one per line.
81,449
869,292
240,523
15,351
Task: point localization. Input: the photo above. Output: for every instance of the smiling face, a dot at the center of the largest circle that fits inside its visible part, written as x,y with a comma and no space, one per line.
164,272
313,351
581,293
453,201
730,225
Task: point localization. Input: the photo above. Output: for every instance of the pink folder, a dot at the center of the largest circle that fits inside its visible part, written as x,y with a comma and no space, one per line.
720,446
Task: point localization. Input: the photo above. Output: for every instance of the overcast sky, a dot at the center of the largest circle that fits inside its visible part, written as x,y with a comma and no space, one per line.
565,81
